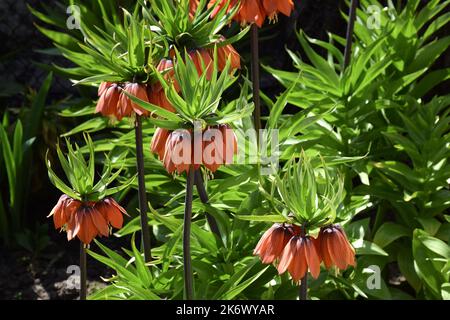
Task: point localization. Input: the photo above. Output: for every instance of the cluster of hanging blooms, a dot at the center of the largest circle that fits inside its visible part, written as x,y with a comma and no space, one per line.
297,253
87,220
255,11
113,102
180,149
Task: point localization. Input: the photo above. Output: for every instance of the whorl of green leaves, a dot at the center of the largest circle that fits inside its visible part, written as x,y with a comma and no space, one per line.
171,20
81,174
107,48
310,194
199,98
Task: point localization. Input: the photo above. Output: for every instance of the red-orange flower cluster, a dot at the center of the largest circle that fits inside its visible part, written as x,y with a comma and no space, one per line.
86,220
298,253
255,11
179,149
114,102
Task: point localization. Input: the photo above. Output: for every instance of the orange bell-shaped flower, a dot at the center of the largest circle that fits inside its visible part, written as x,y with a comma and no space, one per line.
109,98
126,106
299,255
86,220
335,249
272,243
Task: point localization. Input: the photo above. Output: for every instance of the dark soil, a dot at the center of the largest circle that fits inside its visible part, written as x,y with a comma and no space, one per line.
48,275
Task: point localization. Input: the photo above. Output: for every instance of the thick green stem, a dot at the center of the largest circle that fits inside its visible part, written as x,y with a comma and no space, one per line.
83,272
254,43
188,281
145,233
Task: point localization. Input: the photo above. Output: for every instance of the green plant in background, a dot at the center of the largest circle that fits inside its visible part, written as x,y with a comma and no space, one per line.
376,108
16,159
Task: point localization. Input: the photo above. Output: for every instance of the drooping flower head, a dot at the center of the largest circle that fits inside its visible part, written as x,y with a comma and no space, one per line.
113,102
335,249
179,149
126,106
224,53
254,11
299,256
109,94
273,241
85,210
87,220
310,192
196,133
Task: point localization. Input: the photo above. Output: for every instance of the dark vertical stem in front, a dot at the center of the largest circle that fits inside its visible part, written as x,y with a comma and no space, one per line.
303,292
204,198
349,35
188,285
254,43
145,234
83,272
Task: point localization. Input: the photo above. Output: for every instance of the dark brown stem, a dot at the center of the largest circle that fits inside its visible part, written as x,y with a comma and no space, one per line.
349,35
303,294
204,198
83,272
254,43
187,265
145,234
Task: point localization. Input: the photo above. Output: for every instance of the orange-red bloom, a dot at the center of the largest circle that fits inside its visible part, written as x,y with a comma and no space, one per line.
114,102
219,146
273,241
224,53
335,249
193,5
255,11
251,11
126,106
103,86
298,256
159,142
272,7
86,220
202,61
157,96
178,150
109,97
